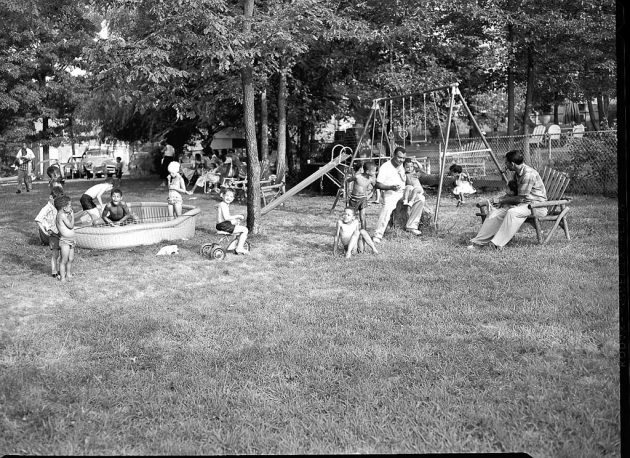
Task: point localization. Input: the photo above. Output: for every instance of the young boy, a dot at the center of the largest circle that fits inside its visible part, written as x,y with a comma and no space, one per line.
350,232
116,212
47,227
231,223
65,226
413,188
118,172
362,190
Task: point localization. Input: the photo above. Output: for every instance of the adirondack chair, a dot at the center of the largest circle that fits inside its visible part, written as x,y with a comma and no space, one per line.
538,135
557,205
554,132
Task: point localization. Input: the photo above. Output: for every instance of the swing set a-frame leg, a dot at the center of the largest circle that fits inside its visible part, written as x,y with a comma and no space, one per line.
340,194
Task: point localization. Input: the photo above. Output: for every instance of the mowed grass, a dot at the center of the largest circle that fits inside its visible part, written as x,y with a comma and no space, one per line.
425,347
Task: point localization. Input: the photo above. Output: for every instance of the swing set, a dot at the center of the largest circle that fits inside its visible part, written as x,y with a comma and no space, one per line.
394,121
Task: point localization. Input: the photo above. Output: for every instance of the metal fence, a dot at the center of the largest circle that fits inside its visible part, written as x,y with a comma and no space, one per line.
590,158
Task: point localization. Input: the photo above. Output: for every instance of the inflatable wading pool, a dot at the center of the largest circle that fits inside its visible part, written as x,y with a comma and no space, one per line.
151,225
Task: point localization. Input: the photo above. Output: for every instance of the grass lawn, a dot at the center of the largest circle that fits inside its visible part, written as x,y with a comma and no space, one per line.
423,348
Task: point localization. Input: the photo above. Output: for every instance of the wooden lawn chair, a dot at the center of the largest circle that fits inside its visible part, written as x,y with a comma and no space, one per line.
554,133
538,136
557,205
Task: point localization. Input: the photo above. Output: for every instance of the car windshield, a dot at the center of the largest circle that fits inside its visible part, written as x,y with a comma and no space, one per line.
96,153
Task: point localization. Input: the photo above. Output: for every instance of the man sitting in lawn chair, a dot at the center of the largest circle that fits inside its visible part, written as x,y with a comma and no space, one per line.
508,213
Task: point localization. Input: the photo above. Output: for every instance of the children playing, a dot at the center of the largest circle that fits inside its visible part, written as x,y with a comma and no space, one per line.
47,227
65,227
231,223
413,188
349,233
116,212
463,185
176,187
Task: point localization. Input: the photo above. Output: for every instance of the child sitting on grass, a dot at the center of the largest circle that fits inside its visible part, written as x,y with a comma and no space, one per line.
413,188
231,223
349,232
116,212
47,226
65,227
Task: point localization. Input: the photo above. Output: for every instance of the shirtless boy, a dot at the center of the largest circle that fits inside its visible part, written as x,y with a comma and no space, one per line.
65,226
362,190
116,212
349,232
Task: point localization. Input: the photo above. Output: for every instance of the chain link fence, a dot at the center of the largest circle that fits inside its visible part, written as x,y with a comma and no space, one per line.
590,158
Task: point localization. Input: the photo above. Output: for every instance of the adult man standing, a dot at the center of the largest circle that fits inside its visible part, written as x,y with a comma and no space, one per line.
391,179
504,222
24,162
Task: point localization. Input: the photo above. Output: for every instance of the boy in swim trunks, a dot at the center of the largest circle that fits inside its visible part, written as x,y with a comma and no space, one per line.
349,233
362,190
116,212
47,225
65,226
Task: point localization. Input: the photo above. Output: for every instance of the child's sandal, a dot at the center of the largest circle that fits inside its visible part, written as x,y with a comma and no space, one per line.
56,276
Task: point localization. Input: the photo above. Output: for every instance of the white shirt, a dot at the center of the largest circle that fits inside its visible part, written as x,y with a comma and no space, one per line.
390,175
98,189
28,155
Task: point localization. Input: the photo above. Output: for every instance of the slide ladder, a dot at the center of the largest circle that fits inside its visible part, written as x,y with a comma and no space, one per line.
304,183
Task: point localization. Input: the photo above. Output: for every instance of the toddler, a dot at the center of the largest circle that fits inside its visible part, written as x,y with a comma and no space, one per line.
176,187
231,223
463,185
349,232
65,227
413,188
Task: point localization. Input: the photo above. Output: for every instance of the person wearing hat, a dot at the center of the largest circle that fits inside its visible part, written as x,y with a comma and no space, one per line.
176,186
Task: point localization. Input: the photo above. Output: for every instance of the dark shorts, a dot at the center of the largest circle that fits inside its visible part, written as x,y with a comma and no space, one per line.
53,241
226,226
87,203
358,203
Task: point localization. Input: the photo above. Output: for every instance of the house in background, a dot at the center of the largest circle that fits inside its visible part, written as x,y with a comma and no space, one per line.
229,138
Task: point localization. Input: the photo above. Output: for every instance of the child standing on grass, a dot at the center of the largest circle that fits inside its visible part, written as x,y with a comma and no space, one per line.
116,212
118,172
463,185
349,232
65,227
176,187
362,190
231,223
413,188
47,227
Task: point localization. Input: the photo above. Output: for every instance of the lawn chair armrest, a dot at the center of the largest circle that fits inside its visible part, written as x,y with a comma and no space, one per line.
548,203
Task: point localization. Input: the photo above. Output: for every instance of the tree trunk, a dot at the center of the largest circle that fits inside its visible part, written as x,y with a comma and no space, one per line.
281,165
510,101
601,112
556,116
529,95
249,120
264,132
591,113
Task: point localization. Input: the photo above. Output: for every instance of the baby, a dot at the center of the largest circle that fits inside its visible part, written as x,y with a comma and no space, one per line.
349,231
413,188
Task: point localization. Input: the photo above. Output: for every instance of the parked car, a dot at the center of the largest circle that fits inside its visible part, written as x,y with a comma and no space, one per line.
73,168
99,162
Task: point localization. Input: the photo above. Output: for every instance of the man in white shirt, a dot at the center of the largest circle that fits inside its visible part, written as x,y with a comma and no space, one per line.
24,162
391,179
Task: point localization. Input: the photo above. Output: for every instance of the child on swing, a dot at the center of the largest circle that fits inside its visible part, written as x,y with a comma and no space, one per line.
227,222
349,232
413,188
463,185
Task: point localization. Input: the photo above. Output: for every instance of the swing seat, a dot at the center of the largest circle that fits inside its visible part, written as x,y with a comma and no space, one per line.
557,206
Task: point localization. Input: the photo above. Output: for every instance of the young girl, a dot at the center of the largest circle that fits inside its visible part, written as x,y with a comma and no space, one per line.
463,185
231,223
65,227
176,186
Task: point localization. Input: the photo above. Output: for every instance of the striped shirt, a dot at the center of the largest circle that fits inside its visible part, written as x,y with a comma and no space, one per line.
530,185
